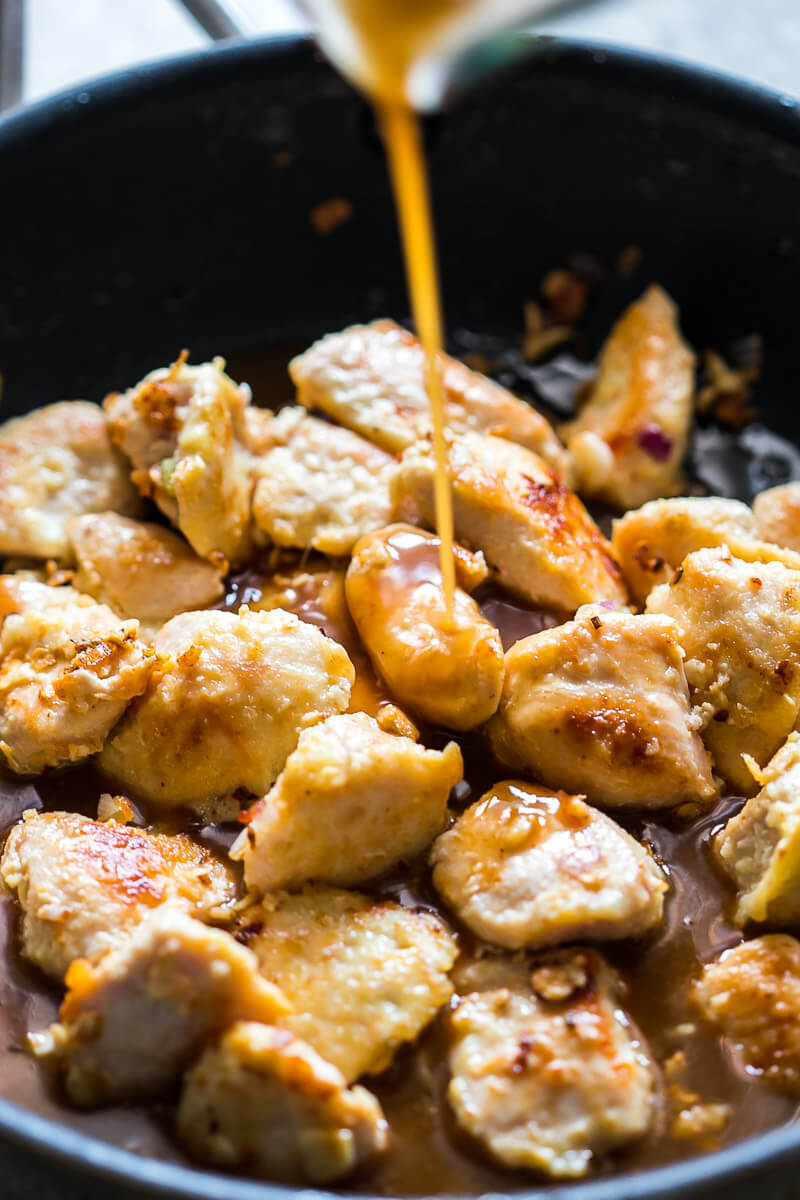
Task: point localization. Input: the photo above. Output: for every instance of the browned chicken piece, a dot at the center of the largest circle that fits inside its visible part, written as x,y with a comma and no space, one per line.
739,626
387,792
363,976
320,487
549,1075
600,706
56,463
751,995
527,867
133,1020
82,884
777,514
262,1100
69,668
445,666
537,537
225,709
372,378
139,569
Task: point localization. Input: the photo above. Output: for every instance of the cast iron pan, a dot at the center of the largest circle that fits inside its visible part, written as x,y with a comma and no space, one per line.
170,206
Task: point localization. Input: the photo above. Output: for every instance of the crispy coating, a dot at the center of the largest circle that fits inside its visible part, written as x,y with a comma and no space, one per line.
526,867
226,708
56,463
600,705
777,515
363,976
264,1100
83,884
629,439
389,793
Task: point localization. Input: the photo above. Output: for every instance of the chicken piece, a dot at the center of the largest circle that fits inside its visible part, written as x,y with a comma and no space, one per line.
321,487
548,1076
739,626
187,431
83,884
140,570
446,667
363,976
225,710
56,463
537,537
133,1020
752,997
629,439
526,867
263,1100
69,667
389,793
777,515
600,706
372,378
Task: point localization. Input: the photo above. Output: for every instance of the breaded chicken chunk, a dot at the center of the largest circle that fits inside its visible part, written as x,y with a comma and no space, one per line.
320,487
526,867
135,1018
139,569
739,626
82,885
752,996
629,439
777,514
548,1076
387,792
445,666
56,463
372,378
600,706
225,710
363,976
263,1100
69,667
538,538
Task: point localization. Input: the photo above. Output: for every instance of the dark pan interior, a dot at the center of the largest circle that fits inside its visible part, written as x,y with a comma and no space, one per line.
170,207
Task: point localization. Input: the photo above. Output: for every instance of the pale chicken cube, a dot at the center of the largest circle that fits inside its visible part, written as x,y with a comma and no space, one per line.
777,514
133,1020
549,1076
739,626
83,884
600,706
320,487
69,668
526,867
56,463
372,378
225,709
537,537
388,792
629,440
263,1100
363,976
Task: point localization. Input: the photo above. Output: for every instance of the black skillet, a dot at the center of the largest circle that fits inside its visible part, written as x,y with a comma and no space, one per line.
171,206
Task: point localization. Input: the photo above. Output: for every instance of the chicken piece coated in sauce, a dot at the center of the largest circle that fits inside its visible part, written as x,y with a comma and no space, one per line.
56,463
526,867
264,1100
549,1075
372,378
69,668
739,626
388,793
629,439
135,1018
225,709
600,705
538,538
777,514
447,668
363,976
